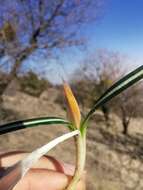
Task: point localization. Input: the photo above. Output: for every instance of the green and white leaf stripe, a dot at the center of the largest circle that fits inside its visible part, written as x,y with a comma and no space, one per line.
13,126
116,89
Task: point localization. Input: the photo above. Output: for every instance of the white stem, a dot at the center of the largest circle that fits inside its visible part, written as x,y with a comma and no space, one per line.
81,156
32,158
14,173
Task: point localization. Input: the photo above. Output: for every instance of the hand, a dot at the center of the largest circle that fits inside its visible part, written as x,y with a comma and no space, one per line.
47,174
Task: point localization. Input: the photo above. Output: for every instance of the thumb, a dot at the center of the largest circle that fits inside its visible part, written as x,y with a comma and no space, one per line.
43,179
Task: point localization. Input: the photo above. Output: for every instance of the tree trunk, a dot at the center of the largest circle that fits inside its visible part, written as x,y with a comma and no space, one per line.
125,120
125,128
105,111
18,63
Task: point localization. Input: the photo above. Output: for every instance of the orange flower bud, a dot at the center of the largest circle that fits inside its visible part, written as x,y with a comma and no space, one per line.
73,108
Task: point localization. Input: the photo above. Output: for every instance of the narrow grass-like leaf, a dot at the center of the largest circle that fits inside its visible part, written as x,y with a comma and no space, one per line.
116,89
13,174
13,126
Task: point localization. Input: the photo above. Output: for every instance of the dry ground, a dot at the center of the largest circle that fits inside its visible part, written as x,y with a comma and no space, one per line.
110,155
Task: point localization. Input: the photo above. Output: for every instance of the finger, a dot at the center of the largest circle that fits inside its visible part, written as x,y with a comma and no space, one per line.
40,179
47,162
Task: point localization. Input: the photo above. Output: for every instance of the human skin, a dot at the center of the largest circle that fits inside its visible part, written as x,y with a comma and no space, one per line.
47,174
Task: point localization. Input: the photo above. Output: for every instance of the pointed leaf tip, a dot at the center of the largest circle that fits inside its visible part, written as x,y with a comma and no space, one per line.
72,105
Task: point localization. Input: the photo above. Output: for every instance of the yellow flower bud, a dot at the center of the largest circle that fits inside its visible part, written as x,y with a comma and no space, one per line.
73,108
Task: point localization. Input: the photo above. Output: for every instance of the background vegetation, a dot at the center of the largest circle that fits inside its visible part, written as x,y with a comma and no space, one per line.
43,31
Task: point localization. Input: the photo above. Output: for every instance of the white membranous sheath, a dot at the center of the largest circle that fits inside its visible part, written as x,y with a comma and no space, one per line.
13,174
37,154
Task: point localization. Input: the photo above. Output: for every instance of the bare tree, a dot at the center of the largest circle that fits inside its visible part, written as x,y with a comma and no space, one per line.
104,68
83,90
128,105
29,26
96,74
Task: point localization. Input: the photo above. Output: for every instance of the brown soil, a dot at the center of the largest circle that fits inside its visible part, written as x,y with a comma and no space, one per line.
110,155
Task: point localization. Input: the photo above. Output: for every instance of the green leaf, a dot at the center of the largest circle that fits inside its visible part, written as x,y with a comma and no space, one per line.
9,127
116,89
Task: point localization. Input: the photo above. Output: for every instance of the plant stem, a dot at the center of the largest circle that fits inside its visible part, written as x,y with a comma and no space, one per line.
80,160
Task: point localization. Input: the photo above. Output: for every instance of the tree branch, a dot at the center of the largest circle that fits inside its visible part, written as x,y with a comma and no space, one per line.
47,23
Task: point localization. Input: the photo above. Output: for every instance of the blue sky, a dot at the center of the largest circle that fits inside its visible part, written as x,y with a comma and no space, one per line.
120,29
